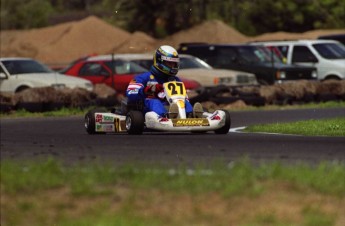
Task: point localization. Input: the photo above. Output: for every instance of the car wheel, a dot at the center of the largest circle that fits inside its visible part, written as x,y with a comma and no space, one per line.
135,122
332,77
21,88
225,129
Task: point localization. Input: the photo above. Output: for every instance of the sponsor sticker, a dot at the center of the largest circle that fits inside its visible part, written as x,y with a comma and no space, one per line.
108,128
190,122
135,86
98,127
215,116
98,118
133,91
105,128
108,118
103,119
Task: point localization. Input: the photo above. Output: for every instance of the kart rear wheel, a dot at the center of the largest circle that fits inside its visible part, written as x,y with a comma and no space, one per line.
90,121
225,129
135,122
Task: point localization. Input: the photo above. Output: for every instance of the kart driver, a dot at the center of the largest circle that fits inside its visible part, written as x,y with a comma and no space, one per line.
148,86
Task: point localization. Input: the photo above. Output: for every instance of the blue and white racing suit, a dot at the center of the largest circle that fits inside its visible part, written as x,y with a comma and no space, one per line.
135,92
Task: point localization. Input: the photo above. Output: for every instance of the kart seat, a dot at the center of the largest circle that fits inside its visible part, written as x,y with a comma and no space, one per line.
127,106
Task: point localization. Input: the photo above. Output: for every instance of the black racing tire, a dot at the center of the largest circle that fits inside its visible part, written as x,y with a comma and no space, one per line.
225,129
90,121
6,107
30,107
224,100
135,122
218,90
202,97
254,100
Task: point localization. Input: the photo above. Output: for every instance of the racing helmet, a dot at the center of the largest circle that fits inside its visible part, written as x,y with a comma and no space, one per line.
166,60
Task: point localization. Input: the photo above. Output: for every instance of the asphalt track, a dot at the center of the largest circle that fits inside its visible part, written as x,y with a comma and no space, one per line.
65,138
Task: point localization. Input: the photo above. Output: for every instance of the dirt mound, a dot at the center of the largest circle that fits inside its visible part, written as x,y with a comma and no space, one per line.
138,42
214,31
65,42
87,36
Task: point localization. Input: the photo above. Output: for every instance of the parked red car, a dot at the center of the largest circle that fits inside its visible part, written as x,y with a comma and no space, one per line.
98,69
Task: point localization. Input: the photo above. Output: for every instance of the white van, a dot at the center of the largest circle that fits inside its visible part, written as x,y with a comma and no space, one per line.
328,56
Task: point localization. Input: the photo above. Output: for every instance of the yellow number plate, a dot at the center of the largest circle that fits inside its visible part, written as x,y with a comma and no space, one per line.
175,88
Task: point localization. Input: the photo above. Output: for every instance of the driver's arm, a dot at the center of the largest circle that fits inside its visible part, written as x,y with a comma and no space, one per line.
135,89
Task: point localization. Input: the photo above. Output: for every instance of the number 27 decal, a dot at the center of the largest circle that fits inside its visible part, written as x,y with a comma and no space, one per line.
175,88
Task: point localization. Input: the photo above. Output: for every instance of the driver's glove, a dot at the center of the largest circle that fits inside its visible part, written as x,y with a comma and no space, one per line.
153,90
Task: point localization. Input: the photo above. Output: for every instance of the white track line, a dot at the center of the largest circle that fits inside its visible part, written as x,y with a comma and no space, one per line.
237,129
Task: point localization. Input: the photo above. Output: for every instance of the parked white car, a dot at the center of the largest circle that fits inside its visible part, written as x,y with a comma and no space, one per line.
17,74
327,56
194,68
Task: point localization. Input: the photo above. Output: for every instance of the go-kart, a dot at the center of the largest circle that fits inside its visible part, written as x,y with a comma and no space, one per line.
131,118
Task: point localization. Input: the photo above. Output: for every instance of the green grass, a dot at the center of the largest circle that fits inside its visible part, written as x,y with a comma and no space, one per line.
61,112
51,193
321,127
239,178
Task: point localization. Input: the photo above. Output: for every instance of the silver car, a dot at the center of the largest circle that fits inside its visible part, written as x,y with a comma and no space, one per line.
17,74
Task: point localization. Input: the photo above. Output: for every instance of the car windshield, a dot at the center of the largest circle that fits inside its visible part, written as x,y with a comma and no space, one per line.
191,62
144,63
126,67
271,54
185,63
25,66
254,54
330,50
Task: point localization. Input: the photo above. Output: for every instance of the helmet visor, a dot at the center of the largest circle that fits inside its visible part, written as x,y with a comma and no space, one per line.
171,62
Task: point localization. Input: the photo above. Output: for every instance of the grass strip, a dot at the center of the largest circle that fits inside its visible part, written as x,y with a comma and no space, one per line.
51,193
239,177
320,127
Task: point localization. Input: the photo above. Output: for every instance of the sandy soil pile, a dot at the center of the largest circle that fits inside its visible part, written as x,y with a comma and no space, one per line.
63,43
214,31
138,42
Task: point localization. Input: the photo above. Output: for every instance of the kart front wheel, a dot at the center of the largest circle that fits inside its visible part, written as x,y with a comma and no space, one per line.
135,122
225,129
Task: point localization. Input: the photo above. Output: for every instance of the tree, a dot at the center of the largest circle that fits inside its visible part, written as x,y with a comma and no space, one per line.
22,14
160,18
